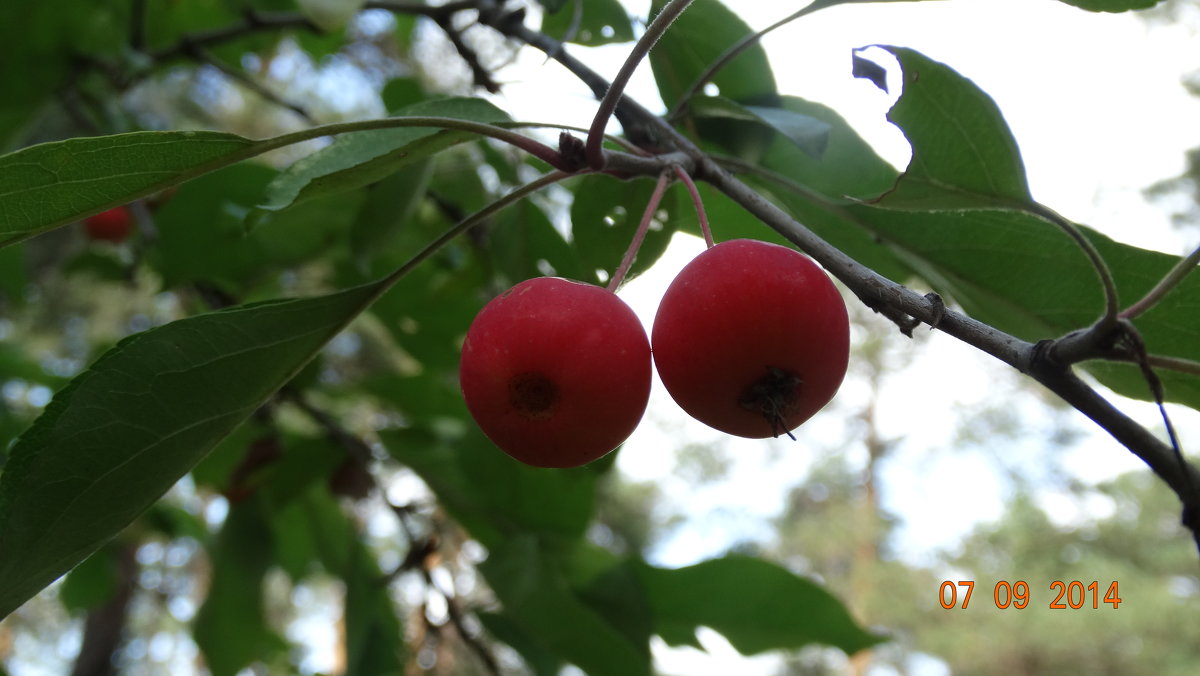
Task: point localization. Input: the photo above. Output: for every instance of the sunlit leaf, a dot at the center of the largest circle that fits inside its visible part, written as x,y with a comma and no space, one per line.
362,158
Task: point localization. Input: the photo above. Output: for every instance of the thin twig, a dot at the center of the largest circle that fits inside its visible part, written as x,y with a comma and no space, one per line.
705,230
660,189
480,75
252,84
616,89
253,22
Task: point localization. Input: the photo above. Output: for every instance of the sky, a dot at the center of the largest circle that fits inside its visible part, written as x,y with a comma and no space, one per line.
1097,105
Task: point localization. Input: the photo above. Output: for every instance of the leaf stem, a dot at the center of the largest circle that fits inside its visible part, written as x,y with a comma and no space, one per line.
1164,286
699,204
638,237
1111,302
612,97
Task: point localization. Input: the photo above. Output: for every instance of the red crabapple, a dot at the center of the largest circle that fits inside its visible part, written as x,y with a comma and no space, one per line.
555,372
751,338
112,225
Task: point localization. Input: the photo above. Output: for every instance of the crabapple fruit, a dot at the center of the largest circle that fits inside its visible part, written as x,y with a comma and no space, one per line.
751,338
112,225
556,372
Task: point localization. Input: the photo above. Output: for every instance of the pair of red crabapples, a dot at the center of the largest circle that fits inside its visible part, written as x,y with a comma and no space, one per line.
751,338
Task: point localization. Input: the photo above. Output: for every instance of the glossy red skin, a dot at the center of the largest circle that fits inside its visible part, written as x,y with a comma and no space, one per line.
737,309
112,225
581,338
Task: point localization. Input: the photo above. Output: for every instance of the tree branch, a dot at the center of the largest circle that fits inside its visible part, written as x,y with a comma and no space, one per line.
878,292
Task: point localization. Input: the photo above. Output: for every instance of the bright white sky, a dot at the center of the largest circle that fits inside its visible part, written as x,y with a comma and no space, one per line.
1097,106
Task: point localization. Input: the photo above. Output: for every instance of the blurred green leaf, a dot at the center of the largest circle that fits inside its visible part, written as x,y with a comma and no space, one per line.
524,243
492,495
536,596
756,604
604,217
230,627
600,22
123,432
93,582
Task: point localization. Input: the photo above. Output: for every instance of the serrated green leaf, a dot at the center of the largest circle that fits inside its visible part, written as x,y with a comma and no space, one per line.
1024,276
963,153
696,40
50,184
359,159
756,604
600,22
124,431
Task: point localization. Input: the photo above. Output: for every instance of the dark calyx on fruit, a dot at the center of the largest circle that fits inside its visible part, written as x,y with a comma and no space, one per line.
773,395
533,395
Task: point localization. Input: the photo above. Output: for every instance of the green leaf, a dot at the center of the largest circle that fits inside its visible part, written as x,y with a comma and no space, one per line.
492,495
50,184
604,217
757,605
92,582
810,134
818,190
524,244
696,40
964,155
540,659
230,627
124,431
600,22
538,598
1112,5
355,160
1024,276
389,206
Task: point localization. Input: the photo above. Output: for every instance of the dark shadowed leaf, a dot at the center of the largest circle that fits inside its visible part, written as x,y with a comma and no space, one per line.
757,605
808,133
696,40
599,22
124,431
606,214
